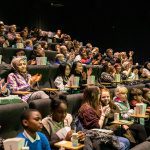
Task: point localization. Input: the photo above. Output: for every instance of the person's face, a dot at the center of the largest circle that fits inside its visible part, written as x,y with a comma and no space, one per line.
110,53
138,97
148,95
83,50
22,66
109,64
46,45
60,113
2,28
136,71
67,71
122,95
118,69
20,53
148,66
40,51
58,32
61,58
116,55
105,98
12,29
34,122
79,68
64,51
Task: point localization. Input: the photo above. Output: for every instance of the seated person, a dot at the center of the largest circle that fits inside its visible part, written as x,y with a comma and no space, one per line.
108,74
59,58
136,97
92,115
105,100
3,37
121,101
144,73
127,69
31,121
11,35
38,51
63,76
3,90
77,70
85,59
28,45
18,42
119,71
57,126
20,80
146,93
20,53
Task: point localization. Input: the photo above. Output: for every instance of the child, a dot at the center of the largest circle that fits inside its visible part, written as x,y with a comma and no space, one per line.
63,76
57,126
32,123
121,100
136,97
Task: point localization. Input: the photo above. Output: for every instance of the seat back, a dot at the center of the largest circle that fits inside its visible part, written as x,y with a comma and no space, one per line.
42,105
41,69
10,119
53,74
74,102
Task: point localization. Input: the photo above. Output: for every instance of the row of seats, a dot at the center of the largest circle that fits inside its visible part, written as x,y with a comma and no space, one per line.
49,72
10,113
8,53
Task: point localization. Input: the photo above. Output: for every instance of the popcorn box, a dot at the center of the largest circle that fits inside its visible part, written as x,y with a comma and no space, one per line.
41,60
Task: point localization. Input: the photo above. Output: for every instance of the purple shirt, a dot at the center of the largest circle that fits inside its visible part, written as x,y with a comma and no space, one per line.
16,82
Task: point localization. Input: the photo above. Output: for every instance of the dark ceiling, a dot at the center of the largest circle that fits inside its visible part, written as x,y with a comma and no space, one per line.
106,23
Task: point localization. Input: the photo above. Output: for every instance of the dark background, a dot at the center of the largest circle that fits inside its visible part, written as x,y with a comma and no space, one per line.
121,25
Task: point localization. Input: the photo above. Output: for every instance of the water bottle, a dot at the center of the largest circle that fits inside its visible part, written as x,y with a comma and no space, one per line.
74,139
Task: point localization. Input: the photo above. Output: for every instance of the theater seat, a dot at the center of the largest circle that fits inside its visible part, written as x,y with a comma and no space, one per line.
142,146
50,55
74,103
41,69
53,70
42,105
10,119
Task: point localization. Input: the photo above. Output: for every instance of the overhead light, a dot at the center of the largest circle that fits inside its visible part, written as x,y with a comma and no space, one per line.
56,5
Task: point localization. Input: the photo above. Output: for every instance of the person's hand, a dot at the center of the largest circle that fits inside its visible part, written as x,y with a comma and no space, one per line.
84,75
35,78
89,71
125,127
105,110
131,53
1,82
81,135
3,88
68,136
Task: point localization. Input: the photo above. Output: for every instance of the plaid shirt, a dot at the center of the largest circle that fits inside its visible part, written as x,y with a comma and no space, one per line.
16,82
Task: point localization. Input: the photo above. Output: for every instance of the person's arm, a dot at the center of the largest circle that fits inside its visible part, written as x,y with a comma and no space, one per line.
59,83
13,85
104,112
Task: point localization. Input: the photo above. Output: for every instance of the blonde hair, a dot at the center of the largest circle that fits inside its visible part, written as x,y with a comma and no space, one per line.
120,89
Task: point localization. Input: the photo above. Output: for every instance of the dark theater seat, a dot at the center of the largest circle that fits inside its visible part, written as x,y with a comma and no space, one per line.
10,119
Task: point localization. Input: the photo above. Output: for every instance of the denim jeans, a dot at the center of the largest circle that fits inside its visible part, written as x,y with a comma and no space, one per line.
124,143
